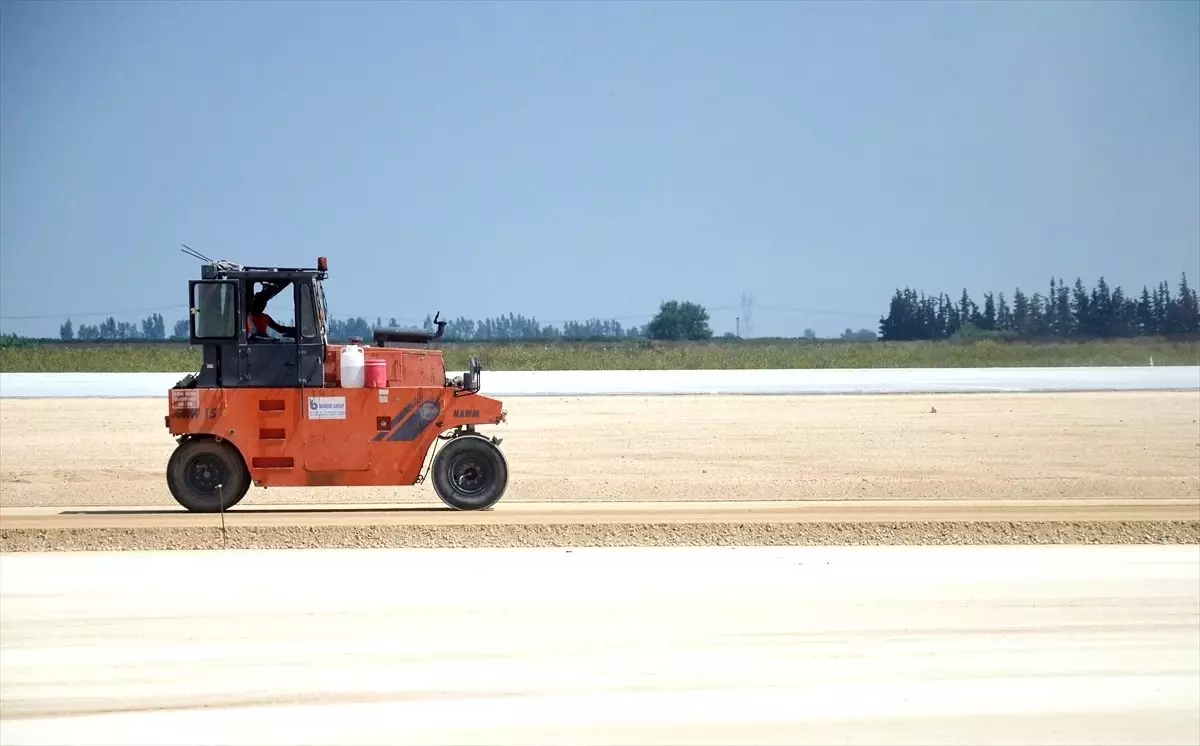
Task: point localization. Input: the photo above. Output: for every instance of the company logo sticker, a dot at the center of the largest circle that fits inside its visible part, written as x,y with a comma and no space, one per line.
326,407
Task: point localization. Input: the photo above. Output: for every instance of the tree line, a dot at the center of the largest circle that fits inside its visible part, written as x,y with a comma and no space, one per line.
152,327
511,327
461,329
1063,312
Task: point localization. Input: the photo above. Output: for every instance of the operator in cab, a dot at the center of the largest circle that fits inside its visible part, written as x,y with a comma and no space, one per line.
258,321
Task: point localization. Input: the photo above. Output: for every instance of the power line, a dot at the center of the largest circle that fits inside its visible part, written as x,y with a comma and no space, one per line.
413,320
817,311
576,319
638,317
91,314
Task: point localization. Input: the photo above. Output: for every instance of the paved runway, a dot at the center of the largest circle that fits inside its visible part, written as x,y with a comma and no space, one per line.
795,381
1084,645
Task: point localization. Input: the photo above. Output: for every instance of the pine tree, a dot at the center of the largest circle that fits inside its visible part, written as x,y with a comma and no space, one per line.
1187,308
1020,320
1003,315
988,320
1145,314
1054,324
1062,311
1082,323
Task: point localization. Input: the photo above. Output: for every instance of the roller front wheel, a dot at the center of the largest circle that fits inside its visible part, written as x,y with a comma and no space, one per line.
470,473
198,466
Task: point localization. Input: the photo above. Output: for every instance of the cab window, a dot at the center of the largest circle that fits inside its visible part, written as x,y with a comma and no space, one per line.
308,316
214,313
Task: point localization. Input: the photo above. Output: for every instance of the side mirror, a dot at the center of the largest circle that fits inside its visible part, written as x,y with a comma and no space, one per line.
471,379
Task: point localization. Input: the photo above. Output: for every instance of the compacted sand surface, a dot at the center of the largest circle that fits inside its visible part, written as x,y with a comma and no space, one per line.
702,450
781,645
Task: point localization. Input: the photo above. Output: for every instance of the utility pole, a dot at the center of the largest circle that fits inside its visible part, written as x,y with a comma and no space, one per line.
748,313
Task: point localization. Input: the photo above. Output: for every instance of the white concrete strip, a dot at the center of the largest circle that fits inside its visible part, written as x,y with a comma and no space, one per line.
1097,645
667,382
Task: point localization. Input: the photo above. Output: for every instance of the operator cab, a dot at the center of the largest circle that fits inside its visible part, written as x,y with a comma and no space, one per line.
230,321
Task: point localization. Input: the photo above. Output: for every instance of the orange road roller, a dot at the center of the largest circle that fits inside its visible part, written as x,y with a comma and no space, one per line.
293,410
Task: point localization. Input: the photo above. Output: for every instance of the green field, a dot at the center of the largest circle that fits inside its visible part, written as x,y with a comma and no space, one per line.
135,357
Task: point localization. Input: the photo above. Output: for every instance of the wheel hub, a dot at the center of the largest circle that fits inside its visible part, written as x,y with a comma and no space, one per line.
204,473
468,474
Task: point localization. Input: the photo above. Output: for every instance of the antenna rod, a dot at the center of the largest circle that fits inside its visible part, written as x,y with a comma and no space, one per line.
196,254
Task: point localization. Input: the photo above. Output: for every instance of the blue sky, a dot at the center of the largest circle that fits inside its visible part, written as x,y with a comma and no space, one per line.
578,159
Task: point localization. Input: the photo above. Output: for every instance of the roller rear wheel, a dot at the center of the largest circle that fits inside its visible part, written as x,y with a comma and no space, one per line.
196,468
470,473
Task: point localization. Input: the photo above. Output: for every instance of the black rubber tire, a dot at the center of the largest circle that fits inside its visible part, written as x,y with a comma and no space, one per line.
197,466
470,473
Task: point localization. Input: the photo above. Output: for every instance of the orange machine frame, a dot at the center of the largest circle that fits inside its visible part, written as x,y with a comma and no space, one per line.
268,413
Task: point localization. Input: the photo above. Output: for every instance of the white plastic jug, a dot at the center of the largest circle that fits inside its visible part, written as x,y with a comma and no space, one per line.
354,366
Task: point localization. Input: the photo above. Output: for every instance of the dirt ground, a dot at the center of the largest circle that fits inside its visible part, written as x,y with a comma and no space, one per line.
71,453
114,452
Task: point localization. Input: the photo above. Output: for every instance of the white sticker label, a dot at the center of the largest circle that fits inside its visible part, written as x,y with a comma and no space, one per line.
185,398
326,407
383,396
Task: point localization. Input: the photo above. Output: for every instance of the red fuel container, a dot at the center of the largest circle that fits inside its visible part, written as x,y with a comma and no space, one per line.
375,374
